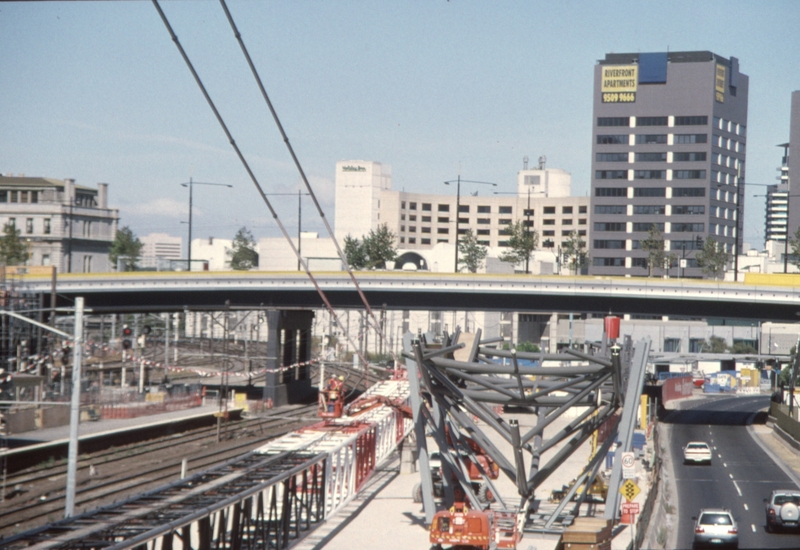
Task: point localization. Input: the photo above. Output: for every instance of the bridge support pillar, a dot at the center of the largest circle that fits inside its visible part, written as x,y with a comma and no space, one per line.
288,379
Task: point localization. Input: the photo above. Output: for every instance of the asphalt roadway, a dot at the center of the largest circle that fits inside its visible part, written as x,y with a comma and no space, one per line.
747,465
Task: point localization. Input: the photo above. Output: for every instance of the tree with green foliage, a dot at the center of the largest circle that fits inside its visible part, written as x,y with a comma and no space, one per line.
379,247
574,251
653,245
712,259
523,346
373,251
522,242
126,247
355,253
742,348
715,344
13,251
785,376
243,253
471,252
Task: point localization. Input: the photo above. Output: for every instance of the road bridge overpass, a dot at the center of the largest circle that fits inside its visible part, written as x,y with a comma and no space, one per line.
775,300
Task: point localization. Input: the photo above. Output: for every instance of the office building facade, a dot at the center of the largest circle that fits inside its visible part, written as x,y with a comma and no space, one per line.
668,150
66,225
160,251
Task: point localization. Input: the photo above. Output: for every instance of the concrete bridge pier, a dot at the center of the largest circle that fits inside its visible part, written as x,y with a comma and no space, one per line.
288,377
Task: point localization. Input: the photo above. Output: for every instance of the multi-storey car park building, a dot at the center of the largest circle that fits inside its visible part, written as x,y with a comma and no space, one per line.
783,199
668,149
793,162
777,214
66,225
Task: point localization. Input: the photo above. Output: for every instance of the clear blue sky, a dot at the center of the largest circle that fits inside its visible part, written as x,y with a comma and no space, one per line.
98,92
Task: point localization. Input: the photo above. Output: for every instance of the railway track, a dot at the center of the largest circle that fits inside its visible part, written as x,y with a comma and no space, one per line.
108,476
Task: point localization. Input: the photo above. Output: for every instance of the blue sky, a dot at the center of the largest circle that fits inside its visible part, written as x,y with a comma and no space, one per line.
98,92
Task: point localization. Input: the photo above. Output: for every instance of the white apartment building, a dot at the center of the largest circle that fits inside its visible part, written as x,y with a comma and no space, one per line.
66,225
159,249
211,254
360,186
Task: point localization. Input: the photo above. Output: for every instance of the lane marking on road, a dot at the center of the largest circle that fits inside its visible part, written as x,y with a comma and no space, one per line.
731,475
737,488
745,506
725,464
754,527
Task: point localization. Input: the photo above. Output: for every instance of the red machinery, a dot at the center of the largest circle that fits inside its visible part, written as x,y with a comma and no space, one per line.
489,467
462,528
332,399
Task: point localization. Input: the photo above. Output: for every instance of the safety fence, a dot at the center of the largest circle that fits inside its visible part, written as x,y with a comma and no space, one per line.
155,405
647,510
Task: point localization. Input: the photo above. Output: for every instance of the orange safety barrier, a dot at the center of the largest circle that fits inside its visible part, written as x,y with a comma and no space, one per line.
143,408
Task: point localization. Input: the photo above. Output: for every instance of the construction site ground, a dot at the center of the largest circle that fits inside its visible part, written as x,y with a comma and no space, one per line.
385,516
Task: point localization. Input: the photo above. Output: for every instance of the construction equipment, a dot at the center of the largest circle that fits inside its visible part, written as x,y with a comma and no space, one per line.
483,464
331,403
465,529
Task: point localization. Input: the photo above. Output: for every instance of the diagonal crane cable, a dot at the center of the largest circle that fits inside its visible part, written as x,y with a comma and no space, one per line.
285,137
255,181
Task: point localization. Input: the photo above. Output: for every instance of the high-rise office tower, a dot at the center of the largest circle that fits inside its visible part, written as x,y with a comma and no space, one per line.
668,150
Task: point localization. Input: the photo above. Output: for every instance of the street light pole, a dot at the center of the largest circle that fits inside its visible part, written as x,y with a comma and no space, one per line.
458,207
527,220
299,219
458,213
190,184
786,239
299,227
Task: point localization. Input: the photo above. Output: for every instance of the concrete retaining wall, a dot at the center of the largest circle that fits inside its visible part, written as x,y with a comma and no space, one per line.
786,423
51,417
21,420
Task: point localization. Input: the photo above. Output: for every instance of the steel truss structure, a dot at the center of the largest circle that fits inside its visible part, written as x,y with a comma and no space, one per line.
456,382
267,499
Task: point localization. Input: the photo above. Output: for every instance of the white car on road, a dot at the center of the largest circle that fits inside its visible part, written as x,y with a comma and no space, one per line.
698,452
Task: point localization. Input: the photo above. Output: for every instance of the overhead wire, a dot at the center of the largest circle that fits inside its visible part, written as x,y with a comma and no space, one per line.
253,178
245,52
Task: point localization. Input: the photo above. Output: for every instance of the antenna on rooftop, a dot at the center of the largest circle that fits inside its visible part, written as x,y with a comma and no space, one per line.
525,162
542,161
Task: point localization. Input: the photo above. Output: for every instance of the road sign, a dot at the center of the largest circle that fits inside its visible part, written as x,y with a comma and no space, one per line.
630,507
629,490
628,465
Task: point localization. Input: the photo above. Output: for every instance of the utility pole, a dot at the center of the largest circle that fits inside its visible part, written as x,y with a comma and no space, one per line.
75,409
458,206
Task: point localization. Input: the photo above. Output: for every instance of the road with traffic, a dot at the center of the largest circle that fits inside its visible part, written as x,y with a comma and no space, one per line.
742,472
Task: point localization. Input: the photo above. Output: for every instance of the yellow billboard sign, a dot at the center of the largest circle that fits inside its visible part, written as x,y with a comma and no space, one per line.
719,84
618,83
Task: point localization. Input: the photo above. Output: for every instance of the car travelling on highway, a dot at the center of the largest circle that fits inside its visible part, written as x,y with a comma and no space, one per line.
698,452
783,510
716,528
